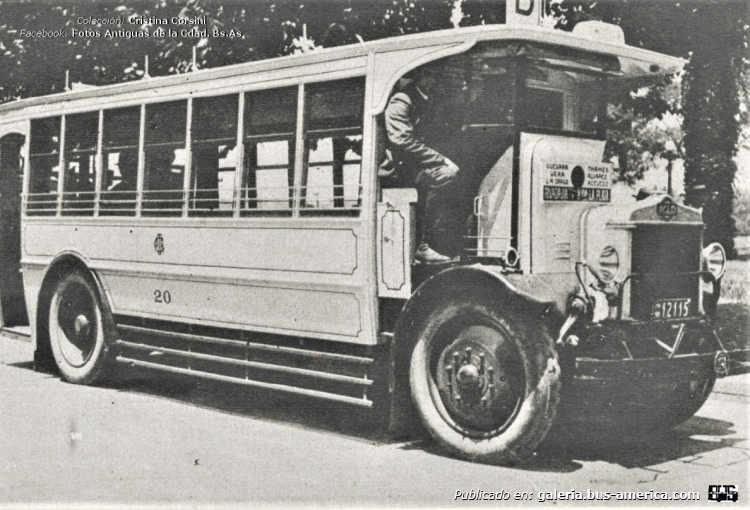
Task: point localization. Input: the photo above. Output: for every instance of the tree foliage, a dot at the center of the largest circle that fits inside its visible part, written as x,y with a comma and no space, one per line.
712,107
33,66
644,126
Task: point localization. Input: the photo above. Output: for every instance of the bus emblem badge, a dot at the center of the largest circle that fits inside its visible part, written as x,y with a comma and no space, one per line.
666,209
159,244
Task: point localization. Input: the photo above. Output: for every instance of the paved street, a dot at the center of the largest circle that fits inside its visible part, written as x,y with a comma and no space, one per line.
155,440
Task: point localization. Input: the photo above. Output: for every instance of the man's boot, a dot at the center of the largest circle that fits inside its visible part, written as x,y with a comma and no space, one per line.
427,255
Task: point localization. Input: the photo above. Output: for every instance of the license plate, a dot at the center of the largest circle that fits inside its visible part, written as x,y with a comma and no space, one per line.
671,309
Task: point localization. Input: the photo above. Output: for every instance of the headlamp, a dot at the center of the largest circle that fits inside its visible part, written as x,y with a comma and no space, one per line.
609,263
715,259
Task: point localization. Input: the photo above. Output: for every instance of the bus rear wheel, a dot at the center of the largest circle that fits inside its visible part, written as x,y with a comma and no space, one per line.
486,386
76,330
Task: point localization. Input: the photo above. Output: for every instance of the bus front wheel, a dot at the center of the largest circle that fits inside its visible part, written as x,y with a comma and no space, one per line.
485,385
76,330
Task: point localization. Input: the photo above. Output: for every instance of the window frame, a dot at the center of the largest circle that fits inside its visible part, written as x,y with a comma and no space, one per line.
67,206
524,86
53,205
180,207
192,205
309,134
292,137
340,210
114,211
297,138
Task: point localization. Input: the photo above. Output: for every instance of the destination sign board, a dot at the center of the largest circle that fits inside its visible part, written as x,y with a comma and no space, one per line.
577,182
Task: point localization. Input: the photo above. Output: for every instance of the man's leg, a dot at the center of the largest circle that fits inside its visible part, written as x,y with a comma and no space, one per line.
432,202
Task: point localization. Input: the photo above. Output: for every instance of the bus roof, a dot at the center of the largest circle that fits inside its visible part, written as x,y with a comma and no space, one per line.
635,62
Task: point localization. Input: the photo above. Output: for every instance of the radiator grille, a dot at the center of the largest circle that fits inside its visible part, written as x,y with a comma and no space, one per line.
661,256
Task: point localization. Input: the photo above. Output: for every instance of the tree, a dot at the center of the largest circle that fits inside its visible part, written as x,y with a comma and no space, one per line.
712,109
643,127
33,66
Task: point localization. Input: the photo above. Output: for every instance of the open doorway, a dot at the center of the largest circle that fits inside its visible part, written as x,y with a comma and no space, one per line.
12,303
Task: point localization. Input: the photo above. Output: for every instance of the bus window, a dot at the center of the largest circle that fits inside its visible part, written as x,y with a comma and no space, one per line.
214,156
563,100
270,126
333,147
81,132
164,165
488,118
44,166
120,161
545,108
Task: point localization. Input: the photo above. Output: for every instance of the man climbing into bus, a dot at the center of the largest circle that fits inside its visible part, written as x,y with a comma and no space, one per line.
414,163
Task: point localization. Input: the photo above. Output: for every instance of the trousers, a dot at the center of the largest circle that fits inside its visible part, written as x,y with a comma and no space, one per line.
434,200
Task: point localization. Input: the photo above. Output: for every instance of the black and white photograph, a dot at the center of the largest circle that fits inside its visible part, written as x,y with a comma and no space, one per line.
374,253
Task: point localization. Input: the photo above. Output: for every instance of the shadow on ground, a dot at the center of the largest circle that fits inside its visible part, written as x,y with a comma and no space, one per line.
258,404
564,450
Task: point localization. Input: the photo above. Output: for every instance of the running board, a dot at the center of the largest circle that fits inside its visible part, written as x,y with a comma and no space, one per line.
248,382
242,343
313,373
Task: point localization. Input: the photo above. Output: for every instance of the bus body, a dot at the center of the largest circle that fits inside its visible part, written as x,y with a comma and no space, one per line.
229,224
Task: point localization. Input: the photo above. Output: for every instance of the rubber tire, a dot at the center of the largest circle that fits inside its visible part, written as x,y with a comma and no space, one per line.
92,370
671,411
668,412
538,408
684,406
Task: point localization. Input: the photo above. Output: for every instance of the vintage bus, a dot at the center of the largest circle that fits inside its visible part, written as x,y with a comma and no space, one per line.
230,224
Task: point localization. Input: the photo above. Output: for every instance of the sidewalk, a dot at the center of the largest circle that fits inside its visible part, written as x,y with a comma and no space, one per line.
737,386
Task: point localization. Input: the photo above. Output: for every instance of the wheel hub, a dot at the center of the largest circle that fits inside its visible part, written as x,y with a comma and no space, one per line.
76,322
81,325
468,377
478,379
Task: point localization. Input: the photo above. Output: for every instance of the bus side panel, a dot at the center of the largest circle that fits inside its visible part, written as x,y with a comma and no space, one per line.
261,308
295,281
308,250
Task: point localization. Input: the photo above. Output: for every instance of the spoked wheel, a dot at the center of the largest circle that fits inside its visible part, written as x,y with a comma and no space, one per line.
76,330
484,387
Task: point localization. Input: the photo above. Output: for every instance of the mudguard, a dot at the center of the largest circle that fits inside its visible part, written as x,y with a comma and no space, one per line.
474,279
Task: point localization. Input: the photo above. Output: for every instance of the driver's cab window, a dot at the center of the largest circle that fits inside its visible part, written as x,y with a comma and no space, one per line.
468,115
562,100
454,116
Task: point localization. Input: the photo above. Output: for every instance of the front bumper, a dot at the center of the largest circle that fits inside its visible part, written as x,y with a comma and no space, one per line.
620,350
634,376
675,369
